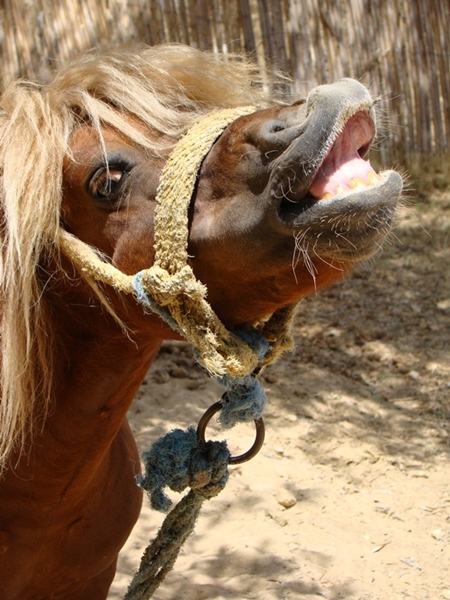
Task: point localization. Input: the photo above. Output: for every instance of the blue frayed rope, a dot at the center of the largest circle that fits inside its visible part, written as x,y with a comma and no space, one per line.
178,460
244,400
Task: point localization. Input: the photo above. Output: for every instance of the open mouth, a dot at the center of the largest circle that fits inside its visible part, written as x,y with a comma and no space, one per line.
344,167
341,175
342,209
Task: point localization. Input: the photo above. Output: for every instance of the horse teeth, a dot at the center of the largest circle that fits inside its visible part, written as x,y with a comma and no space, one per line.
373,178
357,183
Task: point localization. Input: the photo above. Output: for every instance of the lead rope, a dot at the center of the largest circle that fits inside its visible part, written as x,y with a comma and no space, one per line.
169,289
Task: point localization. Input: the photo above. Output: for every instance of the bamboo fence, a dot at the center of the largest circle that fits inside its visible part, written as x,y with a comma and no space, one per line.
399,48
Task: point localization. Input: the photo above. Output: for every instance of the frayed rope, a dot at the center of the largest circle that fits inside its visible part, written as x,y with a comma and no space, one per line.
150,305
244,400
177,460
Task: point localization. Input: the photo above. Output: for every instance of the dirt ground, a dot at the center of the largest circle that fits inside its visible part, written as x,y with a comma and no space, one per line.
350,496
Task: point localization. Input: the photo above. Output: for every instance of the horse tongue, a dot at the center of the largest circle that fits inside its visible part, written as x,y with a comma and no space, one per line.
334,178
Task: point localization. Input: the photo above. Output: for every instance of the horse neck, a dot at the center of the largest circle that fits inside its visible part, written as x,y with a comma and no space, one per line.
98,369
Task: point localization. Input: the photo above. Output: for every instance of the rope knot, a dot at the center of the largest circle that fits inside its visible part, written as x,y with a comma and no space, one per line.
166,288
244,400
178,460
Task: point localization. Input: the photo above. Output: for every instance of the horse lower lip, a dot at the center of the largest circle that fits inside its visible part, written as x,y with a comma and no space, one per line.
309,210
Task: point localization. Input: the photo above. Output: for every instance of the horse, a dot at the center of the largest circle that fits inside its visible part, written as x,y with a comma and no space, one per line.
285,202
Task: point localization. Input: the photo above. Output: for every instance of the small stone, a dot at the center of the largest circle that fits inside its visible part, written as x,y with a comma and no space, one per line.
287,500
414,375
420,474
443,304
437,534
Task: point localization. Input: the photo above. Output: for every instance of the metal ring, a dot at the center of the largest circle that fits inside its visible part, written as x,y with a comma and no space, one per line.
241,458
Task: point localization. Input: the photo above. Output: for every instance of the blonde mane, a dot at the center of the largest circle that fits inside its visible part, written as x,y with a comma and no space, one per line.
166,88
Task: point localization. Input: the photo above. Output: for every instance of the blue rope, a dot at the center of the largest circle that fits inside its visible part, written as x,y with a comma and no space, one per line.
254,339
177,460
243,401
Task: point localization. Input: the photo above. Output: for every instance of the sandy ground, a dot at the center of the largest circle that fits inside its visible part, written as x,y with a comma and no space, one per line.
350,496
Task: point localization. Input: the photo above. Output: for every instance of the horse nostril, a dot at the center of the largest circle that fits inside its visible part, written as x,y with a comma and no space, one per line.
271,136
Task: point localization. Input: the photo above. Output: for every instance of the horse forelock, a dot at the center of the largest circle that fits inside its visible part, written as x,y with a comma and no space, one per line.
165,89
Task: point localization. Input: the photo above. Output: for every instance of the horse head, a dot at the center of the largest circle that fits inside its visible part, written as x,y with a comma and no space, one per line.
285,200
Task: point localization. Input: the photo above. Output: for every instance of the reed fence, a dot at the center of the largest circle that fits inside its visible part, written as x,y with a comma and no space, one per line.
399,48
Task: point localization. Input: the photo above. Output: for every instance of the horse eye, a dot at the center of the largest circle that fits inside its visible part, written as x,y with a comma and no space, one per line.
106,183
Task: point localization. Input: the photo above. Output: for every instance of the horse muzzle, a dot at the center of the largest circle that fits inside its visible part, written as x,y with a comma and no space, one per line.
320,178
